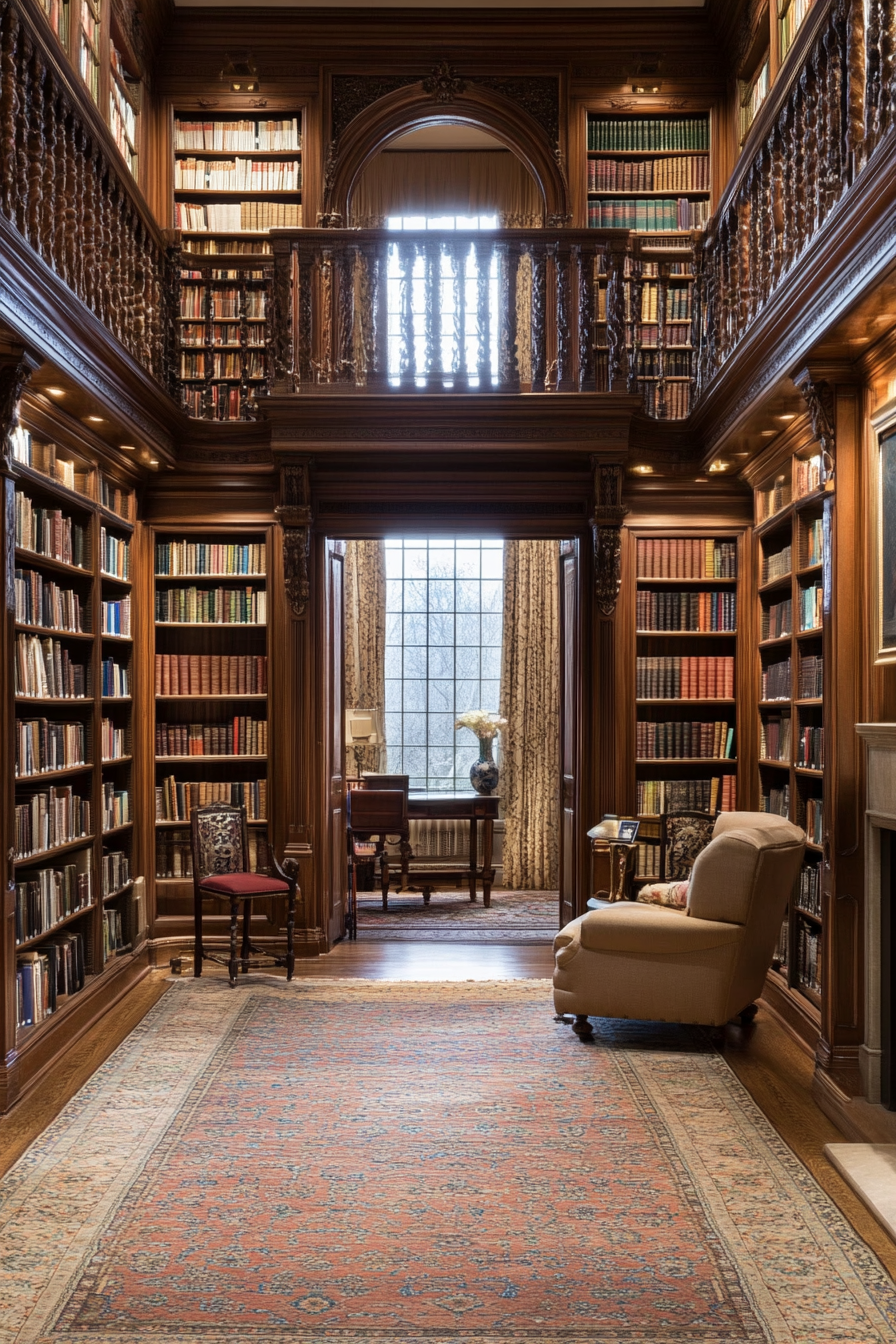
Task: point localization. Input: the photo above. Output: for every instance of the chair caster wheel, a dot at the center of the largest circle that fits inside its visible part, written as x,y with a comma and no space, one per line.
747,1016
177,965
582,1027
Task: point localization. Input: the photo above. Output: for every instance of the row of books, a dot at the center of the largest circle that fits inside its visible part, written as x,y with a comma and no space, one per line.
122,117
43,668
222,334
647,860
114,498
811,607
243,736
114,741
115,555
116,806
678,305
113,935
48,896
645,214
175,799
677,335
238,217
774,498
238,174
50,818
809,898
117,617
51,532
676,364
211,606
243,134
42,602
777,620
224,305
810,755
211,674
216,247
775,737
210,558
680,740
174,854
647,133
116,871
775,681
48,459
116,679
674,678
813,545
42,746
808,948
778,565
814,820
44,978
224,364
219,403
811,678
776,800
790,17
686,558
686,795
808,474
688,173
672,400
691,611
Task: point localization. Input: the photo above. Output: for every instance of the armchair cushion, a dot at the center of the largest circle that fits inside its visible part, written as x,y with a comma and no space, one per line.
243,885
652,930
672,894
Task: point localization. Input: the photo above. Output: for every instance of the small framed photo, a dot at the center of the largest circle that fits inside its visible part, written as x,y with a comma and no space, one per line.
628,831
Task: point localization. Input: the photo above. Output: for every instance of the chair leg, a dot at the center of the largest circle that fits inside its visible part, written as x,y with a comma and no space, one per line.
233,965
247,946
747,1014
582,1027
384,879
352,921
197,933
290,933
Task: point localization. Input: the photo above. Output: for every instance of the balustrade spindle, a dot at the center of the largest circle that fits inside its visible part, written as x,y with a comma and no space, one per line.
380,311
617,349
834,48
459,283
407,257
537,317
584,265
508,254
37,79
664,270
874,23
563,316
344,317
636,305
432,314
9,100
49,190
23,117
304,352
482,261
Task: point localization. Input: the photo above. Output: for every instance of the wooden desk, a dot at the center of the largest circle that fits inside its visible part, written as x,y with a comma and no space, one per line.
472,807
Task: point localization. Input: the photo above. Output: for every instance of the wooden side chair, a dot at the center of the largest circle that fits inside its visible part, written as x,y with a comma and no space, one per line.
373,815
220,842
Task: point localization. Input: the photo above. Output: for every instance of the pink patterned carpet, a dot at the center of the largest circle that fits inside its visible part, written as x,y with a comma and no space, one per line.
406,1163
512,917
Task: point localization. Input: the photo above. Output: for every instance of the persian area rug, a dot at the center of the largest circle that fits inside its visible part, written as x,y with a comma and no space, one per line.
512,917
367,1162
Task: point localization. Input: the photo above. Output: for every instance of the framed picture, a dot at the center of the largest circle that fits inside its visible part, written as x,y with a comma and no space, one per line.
627,832
885,560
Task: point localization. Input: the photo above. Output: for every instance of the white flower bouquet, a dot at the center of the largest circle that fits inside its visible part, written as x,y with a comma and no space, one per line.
482,722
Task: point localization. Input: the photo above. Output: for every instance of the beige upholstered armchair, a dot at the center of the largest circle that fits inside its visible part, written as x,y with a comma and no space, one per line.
706,963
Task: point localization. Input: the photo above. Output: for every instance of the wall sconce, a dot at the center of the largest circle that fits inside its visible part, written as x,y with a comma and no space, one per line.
241,73
644,75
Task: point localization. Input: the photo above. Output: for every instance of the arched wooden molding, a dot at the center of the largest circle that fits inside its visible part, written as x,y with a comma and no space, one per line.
426,103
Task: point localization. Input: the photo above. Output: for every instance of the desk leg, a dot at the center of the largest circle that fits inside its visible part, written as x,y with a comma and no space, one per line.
488,872
473,873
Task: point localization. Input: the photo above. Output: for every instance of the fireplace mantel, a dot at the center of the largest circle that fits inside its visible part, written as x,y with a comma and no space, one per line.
880,815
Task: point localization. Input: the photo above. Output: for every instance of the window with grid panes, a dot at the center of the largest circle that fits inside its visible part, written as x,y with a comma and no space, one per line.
444,612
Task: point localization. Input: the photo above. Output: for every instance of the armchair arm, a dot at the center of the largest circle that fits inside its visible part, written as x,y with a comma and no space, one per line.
291,878
629,927
567,943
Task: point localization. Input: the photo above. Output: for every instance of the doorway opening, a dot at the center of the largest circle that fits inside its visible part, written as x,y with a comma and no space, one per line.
436,629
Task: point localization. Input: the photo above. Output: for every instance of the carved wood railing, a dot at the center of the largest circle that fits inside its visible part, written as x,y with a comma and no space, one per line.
64,192
815,138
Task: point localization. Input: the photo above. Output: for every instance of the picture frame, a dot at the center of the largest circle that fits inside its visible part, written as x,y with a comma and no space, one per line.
627,833
885,543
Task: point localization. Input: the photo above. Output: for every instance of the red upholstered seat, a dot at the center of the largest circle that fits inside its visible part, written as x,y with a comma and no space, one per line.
243,885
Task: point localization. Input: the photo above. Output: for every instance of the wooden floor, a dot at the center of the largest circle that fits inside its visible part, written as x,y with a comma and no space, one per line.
775,1071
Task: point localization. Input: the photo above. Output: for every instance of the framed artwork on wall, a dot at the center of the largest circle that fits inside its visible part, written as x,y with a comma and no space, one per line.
885,547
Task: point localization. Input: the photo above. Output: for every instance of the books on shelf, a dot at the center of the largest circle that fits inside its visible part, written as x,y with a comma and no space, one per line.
686,558
679,740
117,617
811,748
114,498
174,855
48,459
648,214
678,309
52,817
675,678
116,806
114,741
686,795
237,175
41,601
175,799
647,860
814,820
777,620
688,173
677,399
811,606
113,934
48,896
775,681
777,565
647,133
814,543
116,680
810,889
688,611
45,977
115,555
50,532
775,737
790,17
211,606
811,678
237,216
774,498
808,961
116,871
809,474
44,669
42,746
241,736
776,800
211,674
268,135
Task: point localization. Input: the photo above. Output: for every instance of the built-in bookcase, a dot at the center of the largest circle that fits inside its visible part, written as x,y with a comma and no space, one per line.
75,911
687,622
224,337
790,556
649,172
210,693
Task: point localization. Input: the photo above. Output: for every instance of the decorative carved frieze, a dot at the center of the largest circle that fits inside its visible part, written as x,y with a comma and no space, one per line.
539,95
295,516
351,94
606,525
443,84
819,397
15,370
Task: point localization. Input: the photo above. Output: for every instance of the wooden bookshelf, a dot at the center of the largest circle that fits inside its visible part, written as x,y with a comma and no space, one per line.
687,628
648,172
210,694
790,555
70,937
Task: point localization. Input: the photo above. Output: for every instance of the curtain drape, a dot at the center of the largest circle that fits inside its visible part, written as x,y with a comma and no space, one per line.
530,701
365,638
447,182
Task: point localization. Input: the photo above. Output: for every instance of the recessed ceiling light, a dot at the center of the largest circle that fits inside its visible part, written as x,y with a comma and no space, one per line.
769,433
791,416
55,391
701,480
718,465
128,448
153,461
96,419
643,469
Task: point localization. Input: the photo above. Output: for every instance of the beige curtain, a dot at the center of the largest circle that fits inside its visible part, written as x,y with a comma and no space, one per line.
530,701
448,182
365,638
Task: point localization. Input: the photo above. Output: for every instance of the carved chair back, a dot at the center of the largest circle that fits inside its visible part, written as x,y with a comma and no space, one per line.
682,837
220,840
